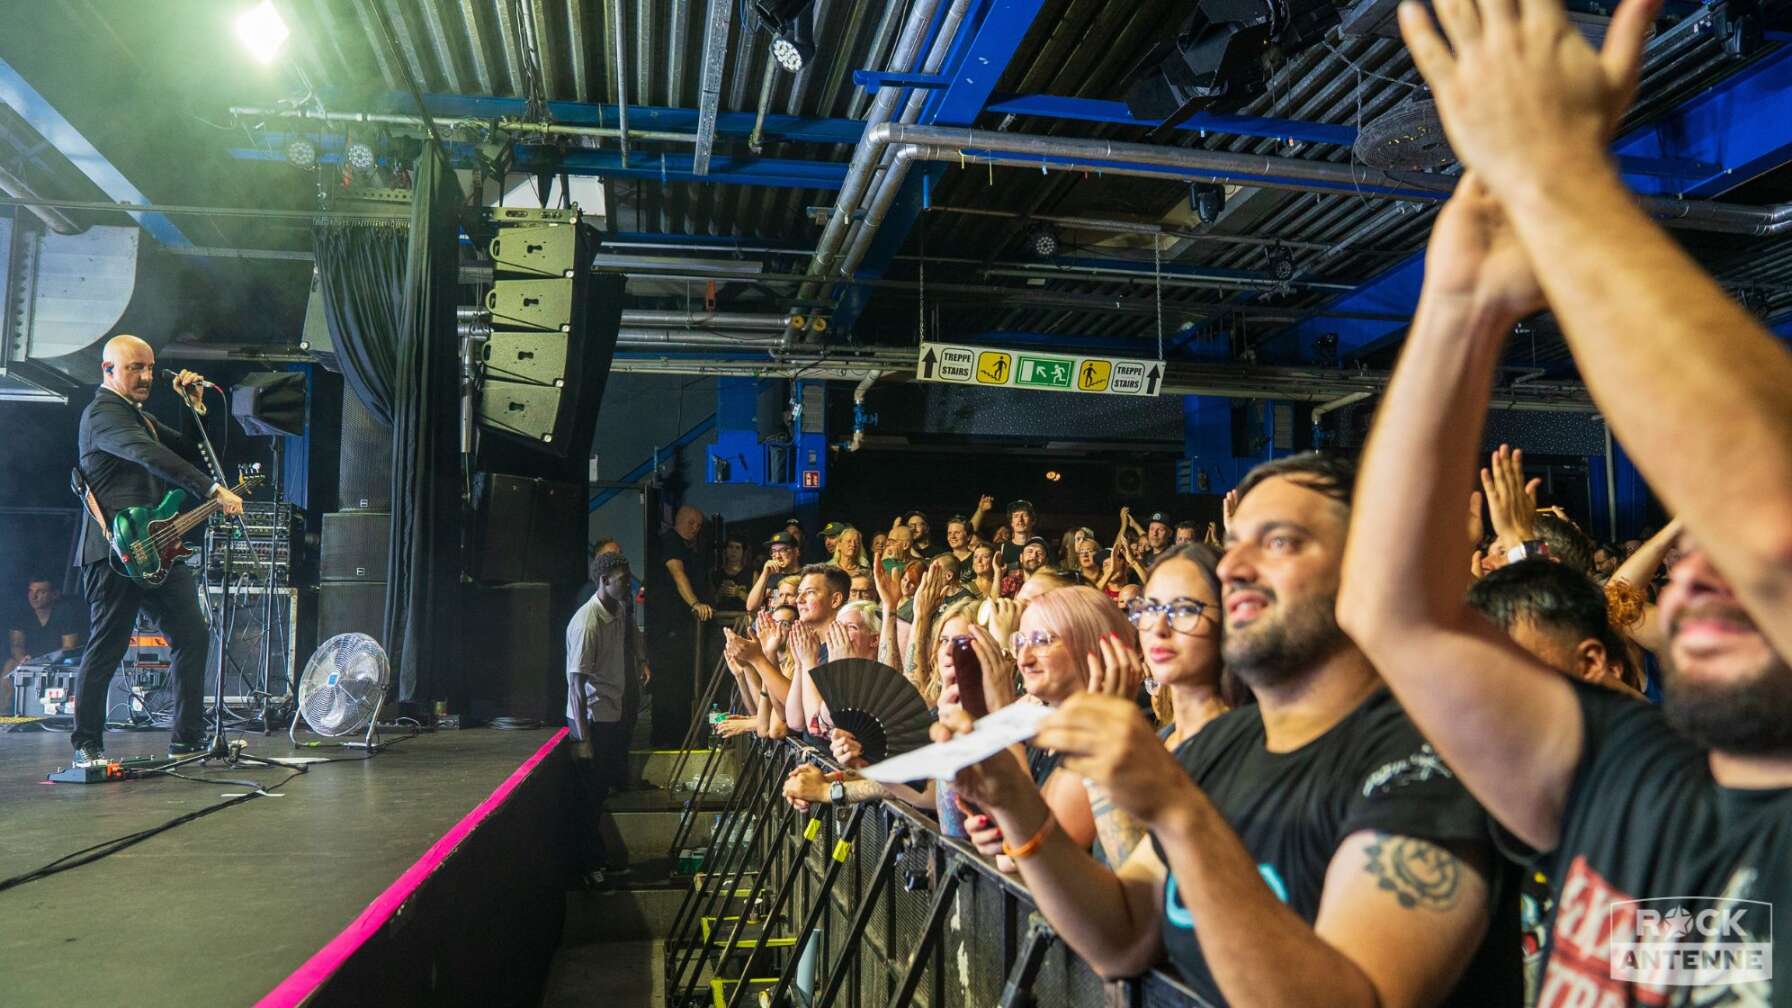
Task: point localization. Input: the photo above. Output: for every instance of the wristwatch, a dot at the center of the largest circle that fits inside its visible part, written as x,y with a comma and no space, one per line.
1526,550
837,793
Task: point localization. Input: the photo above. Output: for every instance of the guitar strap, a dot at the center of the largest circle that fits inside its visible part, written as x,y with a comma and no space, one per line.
79,483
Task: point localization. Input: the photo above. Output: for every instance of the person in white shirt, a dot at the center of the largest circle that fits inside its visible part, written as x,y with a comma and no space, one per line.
604,652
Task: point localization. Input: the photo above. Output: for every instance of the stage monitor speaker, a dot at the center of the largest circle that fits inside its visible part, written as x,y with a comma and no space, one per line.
355,546
512,639
553,337
351,607
270,402
365,476
529,529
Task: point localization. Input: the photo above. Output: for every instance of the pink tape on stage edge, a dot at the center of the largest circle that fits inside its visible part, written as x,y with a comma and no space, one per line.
305,980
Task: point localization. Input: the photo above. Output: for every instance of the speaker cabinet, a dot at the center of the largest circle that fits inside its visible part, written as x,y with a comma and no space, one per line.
355,546
529,529
517,671
366,470
352,607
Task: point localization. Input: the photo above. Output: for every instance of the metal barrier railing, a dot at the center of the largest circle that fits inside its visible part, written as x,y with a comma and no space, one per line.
872,906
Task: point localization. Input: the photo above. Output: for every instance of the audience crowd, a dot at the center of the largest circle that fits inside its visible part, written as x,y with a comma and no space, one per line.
1345,747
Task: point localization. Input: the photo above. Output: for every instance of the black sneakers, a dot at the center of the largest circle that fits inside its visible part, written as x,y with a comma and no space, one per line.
89,756
178,749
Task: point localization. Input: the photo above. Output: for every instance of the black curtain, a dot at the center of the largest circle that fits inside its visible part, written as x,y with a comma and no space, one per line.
422,594
362,272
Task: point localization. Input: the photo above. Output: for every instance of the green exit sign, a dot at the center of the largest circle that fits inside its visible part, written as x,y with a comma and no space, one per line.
1044,372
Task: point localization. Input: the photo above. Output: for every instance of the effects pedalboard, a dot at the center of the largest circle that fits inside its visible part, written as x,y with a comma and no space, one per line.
113,770
131,768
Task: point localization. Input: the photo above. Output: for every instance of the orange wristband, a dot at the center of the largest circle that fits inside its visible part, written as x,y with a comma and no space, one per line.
1031,847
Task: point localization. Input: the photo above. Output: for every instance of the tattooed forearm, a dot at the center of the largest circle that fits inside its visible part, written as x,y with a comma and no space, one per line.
1419,874
1117,832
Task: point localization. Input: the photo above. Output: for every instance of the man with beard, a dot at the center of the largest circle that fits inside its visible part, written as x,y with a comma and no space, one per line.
1033,554
1686,806
1021,521
1308,849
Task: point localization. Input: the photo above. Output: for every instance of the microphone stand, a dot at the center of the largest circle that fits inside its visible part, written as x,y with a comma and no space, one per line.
219,747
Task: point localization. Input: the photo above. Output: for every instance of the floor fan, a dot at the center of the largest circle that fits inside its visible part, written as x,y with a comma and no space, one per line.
342,688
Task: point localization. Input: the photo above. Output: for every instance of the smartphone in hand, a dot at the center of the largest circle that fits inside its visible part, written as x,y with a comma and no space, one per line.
967,671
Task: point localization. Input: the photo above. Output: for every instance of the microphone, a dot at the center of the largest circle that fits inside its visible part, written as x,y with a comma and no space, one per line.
196,403
171,375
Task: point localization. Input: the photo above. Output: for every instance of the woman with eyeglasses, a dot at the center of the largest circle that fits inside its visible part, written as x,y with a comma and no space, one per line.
1178,620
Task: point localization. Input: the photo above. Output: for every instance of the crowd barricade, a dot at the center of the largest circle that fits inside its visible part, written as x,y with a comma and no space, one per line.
866,905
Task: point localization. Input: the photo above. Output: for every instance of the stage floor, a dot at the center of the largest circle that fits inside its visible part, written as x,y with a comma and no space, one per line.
219,910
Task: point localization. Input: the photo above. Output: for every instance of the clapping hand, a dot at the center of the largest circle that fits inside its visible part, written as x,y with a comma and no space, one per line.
1511,501
771,635
805,647
931,589
1116,670
1228,507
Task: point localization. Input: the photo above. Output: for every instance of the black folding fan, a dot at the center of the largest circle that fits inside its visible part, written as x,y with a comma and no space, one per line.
883,710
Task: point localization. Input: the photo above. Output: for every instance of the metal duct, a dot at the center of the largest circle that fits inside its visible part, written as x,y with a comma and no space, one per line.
53,218
703,320
867,155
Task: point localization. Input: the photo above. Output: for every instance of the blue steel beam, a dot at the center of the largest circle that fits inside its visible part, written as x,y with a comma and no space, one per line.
61,134
1096,110
1739,127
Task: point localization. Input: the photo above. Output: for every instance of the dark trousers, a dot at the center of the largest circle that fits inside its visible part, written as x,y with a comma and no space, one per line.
669,653
114,601
594,778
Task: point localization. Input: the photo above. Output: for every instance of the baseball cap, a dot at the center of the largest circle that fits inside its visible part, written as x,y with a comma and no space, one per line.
1037,539
782,539
1160,518
793,520
833,529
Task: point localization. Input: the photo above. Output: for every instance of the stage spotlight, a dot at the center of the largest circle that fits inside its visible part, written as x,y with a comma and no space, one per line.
1208,200
359,155
1217,57
791,24
262,31
1042,240
1281,263
302,153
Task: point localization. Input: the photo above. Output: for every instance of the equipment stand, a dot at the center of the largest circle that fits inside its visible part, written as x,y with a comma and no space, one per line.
219,746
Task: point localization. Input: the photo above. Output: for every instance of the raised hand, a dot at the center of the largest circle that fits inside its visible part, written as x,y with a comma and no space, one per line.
1228,506
931,589
1001,617
1212,538
1523,98
1476,527
1474,254
986,503
1116,669
1511,502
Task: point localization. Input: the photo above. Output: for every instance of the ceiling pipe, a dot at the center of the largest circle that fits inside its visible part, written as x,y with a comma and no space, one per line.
703,320
1338,403
866,155
936,59
53,218
709,97
645,337
621,79
506,125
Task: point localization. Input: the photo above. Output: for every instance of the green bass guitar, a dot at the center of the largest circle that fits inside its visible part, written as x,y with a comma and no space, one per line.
148,540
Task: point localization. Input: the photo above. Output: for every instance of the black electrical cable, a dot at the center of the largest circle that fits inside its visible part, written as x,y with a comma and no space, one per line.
88,855
515,724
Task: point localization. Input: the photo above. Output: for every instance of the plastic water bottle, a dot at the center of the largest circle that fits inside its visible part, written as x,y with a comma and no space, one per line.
716,715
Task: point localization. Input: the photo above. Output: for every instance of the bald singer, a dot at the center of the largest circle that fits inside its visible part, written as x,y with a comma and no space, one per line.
129,459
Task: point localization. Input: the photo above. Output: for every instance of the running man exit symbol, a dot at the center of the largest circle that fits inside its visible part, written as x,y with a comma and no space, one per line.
1092,375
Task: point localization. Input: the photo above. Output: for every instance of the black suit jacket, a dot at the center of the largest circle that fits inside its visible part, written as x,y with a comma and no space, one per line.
128,467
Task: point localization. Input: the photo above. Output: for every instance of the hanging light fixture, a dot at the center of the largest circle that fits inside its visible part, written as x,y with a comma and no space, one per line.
791,24
262,31
359,155
301,153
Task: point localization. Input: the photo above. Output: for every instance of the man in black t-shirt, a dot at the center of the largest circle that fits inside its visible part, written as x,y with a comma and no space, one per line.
1310,849
1022,525
46,623
677,601
1667,833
